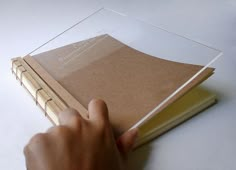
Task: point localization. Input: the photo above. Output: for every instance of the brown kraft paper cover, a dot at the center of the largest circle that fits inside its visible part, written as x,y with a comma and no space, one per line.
130,82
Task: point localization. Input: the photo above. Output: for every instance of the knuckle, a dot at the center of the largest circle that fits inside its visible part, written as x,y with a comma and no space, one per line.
35,141
77,122
38,138
72,110
102,129
60,131
102,125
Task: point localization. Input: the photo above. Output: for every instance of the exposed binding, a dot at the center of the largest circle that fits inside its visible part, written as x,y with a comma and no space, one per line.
36,95
45,106
32,80
17,68
21,76
12,65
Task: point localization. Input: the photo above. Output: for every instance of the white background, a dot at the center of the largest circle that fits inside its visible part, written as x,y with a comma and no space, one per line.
206,142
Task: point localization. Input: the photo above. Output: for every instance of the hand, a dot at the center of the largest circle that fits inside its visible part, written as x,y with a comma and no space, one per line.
80,144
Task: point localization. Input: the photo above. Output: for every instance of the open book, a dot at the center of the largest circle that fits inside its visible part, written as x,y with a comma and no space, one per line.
131,82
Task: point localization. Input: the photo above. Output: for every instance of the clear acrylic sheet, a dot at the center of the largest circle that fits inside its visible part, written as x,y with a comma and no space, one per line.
137,34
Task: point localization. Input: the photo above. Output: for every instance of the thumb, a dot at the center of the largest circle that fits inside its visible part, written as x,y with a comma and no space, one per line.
126,142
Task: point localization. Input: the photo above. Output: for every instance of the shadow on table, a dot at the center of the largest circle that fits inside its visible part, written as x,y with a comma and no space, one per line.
138,159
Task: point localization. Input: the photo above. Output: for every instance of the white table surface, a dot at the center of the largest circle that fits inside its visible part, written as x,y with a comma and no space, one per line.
206,142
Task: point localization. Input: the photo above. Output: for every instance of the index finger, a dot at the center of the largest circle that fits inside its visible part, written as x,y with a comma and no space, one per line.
98,112
70,118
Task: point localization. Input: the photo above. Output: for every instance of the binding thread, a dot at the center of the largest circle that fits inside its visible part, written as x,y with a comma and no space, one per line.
45,107
13,61
17,68
36,95
21,76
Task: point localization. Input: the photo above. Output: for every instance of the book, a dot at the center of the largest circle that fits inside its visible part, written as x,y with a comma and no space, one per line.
131,82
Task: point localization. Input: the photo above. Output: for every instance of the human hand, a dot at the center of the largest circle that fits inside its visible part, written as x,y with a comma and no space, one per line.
80,144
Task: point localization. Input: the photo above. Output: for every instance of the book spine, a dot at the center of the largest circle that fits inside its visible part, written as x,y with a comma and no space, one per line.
41,93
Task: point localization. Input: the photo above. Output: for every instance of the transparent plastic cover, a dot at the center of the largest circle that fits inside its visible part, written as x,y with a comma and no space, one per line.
111,54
